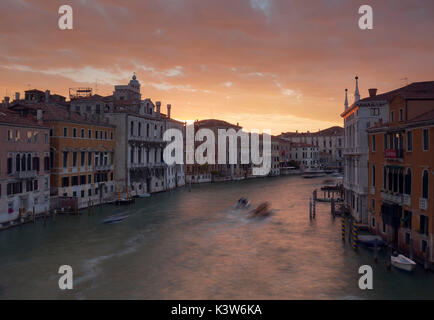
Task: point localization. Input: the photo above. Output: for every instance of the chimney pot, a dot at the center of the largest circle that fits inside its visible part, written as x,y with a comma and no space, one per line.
17,96
169,107
372,92
7,102
158,103
47,96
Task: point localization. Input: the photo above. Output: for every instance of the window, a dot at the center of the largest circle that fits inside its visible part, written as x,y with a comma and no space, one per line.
36,164
82,193
409,140
373,175
373,222
74,159
46,138
97,108
392,116
425,184
408,182
82,133
105,135
65,159
65,132
89,134
89,178
9,165
9,135
423,224
18,163
407,219
82,158
132,128
385,142
89,192
424,246
51,132
384,178
35,185
407,238
111,135
65,182
89,158
46,163
374,143
82,179
74,181
384,227
425,140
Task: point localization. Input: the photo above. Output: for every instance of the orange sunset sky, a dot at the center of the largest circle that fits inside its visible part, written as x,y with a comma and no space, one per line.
277,64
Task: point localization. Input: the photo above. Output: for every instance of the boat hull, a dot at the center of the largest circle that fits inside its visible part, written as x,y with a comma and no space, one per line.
403,263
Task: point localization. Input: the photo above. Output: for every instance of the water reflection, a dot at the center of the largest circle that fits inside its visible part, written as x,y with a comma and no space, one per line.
196,245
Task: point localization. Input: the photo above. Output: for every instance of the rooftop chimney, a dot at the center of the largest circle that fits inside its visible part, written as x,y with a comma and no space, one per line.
17,96
158,103
372,92
47,96
7,102
169,107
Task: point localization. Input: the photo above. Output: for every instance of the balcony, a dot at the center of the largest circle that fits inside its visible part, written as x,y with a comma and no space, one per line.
423,204
395,198
394,154
103,167
407,200
26,174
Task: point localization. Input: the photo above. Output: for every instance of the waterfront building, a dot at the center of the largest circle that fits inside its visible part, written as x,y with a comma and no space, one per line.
330,143
306,155
24,163
357,118
140,126
275,156
82,155
401,171
196,173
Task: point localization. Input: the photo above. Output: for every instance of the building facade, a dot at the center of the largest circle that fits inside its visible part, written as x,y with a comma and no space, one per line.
401,172
357,118
24,163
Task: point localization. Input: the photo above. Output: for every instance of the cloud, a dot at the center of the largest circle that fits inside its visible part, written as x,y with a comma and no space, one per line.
262,5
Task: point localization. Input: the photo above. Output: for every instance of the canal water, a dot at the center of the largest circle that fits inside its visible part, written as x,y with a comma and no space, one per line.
194,245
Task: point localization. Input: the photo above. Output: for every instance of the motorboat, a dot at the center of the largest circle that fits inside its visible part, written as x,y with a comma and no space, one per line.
144,195
402,262
313,173
369,240
115,218
243,203
262,210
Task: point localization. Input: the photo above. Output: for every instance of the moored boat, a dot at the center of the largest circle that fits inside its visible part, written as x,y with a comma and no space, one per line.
115,218
403,263
369,240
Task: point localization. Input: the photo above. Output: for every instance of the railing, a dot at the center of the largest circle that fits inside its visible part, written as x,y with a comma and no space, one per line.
394,154
423,204
393,198
407,200
26,174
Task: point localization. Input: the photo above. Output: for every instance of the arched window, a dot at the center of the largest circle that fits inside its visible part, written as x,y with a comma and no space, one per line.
23,163
425,184
29,162
401,182
408,182
18,163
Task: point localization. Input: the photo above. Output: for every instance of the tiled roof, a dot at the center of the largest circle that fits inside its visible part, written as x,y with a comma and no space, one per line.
415,90
214,123
12,117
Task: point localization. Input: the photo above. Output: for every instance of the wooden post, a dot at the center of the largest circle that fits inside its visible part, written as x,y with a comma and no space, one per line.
355,236
375,250
332,204
411,249
343,228
310,208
